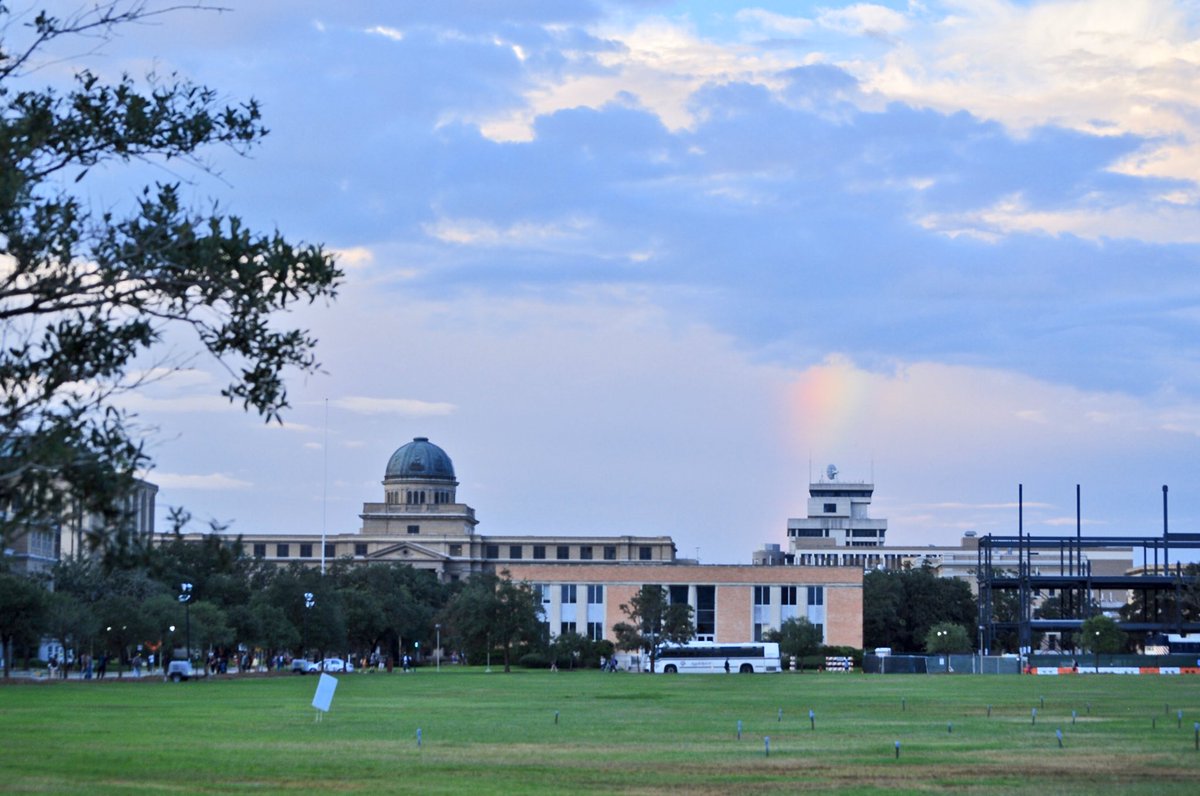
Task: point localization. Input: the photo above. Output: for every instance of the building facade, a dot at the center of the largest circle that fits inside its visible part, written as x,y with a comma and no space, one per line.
730,603
583,580
420,522
42,546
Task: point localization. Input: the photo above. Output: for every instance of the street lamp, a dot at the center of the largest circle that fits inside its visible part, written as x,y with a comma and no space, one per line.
185,597
309,601
438,650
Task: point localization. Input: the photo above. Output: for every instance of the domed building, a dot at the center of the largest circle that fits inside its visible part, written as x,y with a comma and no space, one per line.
583,580
420,522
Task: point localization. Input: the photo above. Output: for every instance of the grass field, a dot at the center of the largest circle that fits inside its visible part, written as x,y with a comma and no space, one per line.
582,732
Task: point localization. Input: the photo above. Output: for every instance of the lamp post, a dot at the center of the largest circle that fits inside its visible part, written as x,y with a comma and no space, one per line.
163,650
438,650
185,597
309,601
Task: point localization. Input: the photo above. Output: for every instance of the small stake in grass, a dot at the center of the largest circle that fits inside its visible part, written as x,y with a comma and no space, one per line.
812,720
556,717
418,737
767,745
1033,716
1043,699
1179,720
1089,708
739,729
1058,733
780,717
1154,722
897,750
949,728
989,711
1073,715
902,707
1196,728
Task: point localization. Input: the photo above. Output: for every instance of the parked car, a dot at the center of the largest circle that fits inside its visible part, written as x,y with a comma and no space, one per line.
336,665
183,670
302,666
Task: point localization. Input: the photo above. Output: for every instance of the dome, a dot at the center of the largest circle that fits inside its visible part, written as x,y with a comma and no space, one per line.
420,459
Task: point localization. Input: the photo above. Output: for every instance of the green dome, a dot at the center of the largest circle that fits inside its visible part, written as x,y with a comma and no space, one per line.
420,459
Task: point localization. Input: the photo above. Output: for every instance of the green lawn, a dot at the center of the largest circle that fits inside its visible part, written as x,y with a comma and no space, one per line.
617,733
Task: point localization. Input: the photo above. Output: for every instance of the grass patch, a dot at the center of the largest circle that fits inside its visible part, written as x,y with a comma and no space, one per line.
492,733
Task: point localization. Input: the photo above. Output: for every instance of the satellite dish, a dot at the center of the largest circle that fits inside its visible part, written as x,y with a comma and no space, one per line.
831,471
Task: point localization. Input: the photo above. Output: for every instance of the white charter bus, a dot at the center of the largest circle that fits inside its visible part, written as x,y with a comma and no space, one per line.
709,658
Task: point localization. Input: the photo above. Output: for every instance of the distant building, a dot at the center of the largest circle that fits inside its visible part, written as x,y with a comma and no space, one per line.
45,544
421,523
583,580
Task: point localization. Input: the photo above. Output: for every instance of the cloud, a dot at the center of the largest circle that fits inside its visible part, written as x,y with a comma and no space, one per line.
209,482
864,19
393,406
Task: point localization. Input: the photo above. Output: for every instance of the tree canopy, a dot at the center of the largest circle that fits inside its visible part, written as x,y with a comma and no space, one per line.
797,637
88,297
654,622
900,606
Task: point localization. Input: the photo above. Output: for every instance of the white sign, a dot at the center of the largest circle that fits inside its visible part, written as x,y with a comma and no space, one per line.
325,688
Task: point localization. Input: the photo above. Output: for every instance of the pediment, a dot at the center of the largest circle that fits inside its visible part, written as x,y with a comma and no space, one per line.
407,551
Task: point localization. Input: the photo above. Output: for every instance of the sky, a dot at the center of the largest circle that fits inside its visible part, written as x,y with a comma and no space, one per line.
649,267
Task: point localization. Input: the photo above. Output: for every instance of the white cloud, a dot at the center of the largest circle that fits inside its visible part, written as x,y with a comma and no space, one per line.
354,258
211,481
1163,222
774,23
393,406
864,19
476,232
395,34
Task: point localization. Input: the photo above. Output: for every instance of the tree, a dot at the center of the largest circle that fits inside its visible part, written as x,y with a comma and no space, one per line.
22,611
797,637
84,295
653,622
494,611
946,637
1100,634
900,606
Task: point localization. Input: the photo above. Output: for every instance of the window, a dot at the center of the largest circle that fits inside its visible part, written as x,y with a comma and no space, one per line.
831,508
281,551
585,552
595,595
862,532
644,553
414,529
456,550
260,550
562,552
514,551
567,627
306,551
816,595
762,596
758,631
595,631
677,595
329,551
568,593
491,551
807,533
706,611
610,552
360,549
539,551
787,595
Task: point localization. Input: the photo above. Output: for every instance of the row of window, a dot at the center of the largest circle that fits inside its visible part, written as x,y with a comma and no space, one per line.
787,595
492,551
595,630
419,497
562,552
284,550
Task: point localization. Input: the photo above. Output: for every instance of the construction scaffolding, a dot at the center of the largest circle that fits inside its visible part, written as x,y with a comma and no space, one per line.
1070,577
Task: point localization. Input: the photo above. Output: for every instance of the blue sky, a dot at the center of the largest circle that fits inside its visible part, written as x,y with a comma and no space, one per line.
642,267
